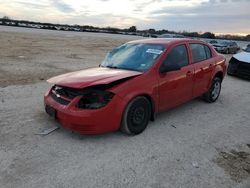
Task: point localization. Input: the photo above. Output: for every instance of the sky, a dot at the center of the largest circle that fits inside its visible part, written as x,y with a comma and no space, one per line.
217,16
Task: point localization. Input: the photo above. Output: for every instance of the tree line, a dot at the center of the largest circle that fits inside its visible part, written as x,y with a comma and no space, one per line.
131,30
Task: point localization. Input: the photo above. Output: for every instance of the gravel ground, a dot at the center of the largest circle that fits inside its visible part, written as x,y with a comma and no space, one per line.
192,146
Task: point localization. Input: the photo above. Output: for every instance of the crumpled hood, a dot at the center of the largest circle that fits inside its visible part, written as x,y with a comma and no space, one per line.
92,76
243,56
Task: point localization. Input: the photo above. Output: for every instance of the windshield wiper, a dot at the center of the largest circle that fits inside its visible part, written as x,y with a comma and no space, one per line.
124,68
112,67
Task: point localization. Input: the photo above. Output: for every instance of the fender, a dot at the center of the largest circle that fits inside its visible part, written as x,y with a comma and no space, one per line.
219,67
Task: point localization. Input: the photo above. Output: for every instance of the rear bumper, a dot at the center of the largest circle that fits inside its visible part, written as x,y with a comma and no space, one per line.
220,50
97,121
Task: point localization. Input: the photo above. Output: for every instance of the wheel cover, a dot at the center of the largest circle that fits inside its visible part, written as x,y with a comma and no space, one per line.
216,90
138,116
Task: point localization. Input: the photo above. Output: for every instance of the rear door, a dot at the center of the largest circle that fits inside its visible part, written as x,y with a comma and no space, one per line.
175,87
203,65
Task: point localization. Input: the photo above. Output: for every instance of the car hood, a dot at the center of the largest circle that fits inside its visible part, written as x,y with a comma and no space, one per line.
92,76
243,56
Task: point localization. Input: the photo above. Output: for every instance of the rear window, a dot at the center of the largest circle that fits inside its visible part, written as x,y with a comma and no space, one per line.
200,52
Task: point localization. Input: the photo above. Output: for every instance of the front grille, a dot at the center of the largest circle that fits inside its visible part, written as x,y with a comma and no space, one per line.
63,95
69,93
59,99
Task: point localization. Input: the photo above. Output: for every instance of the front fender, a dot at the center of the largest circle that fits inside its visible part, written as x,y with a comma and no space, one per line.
139,86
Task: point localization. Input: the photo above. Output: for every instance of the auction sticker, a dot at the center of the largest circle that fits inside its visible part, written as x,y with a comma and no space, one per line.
154,51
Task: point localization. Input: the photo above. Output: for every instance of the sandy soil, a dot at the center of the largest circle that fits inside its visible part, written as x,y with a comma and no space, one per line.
34,55
194,145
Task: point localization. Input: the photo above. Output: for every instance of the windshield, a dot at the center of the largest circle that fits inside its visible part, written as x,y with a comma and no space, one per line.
247,49
137,57
224,43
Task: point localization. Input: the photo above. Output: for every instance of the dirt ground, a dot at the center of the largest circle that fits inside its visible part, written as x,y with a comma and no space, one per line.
34,55
194,145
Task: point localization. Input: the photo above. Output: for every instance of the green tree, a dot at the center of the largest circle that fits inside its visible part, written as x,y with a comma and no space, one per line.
132,29
151,31
248,37
208,35
6,18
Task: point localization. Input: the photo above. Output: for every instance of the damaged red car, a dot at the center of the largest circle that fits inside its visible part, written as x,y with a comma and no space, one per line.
133,83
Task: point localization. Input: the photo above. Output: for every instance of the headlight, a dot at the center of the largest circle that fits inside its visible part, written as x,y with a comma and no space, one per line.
95,99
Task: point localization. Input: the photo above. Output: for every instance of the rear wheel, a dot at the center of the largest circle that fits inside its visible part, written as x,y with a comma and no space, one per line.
136,116
214,92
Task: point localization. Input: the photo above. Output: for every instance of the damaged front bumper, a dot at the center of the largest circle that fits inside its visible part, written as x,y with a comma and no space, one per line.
85,121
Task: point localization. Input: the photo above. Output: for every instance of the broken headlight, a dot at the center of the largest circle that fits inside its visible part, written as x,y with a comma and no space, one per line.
95,99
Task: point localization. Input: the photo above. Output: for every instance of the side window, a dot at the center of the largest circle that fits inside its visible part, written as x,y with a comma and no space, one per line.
178,55
208,52
198,52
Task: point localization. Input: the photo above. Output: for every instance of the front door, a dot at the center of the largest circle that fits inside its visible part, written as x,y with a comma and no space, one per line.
175,87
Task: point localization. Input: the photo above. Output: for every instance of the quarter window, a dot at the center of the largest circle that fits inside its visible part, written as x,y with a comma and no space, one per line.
208,52
178,55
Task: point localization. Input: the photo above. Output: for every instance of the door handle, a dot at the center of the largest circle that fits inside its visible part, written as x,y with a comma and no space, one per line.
189,73
210,67
206,69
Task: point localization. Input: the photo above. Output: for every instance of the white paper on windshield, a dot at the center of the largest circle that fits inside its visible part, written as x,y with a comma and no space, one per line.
154,51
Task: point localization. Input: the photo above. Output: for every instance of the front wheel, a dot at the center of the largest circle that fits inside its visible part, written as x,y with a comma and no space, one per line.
214,92
136,116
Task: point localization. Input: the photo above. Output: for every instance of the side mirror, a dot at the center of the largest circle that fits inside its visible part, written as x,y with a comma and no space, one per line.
169,67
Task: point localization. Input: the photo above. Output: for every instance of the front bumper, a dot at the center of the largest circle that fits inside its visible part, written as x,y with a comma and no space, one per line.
239,68
87,121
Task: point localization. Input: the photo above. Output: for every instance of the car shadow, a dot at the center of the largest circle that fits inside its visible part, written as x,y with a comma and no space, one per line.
161,117
239,78
169,118
180,108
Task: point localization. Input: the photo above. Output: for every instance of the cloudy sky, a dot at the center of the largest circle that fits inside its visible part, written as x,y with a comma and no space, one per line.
218,16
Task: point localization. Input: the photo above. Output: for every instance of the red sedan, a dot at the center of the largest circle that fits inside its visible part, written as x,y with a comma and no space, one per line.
133,83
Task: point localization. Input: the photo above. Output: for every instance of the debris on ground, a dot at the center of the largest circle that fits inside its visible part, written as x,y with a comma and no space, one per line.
195,164
174,126
48,131
235,163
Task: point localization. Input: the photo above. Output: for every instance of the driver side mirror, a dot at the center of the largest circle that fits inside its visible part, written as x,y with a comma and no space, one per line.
169,67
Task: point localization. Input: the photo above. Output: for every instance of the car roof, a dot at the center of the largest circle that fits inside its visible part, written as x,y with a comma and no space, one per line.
166,41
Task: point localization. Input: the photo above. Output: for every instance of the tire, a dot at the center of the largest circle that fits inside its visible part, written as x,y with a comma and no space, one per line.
136,116
214,92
